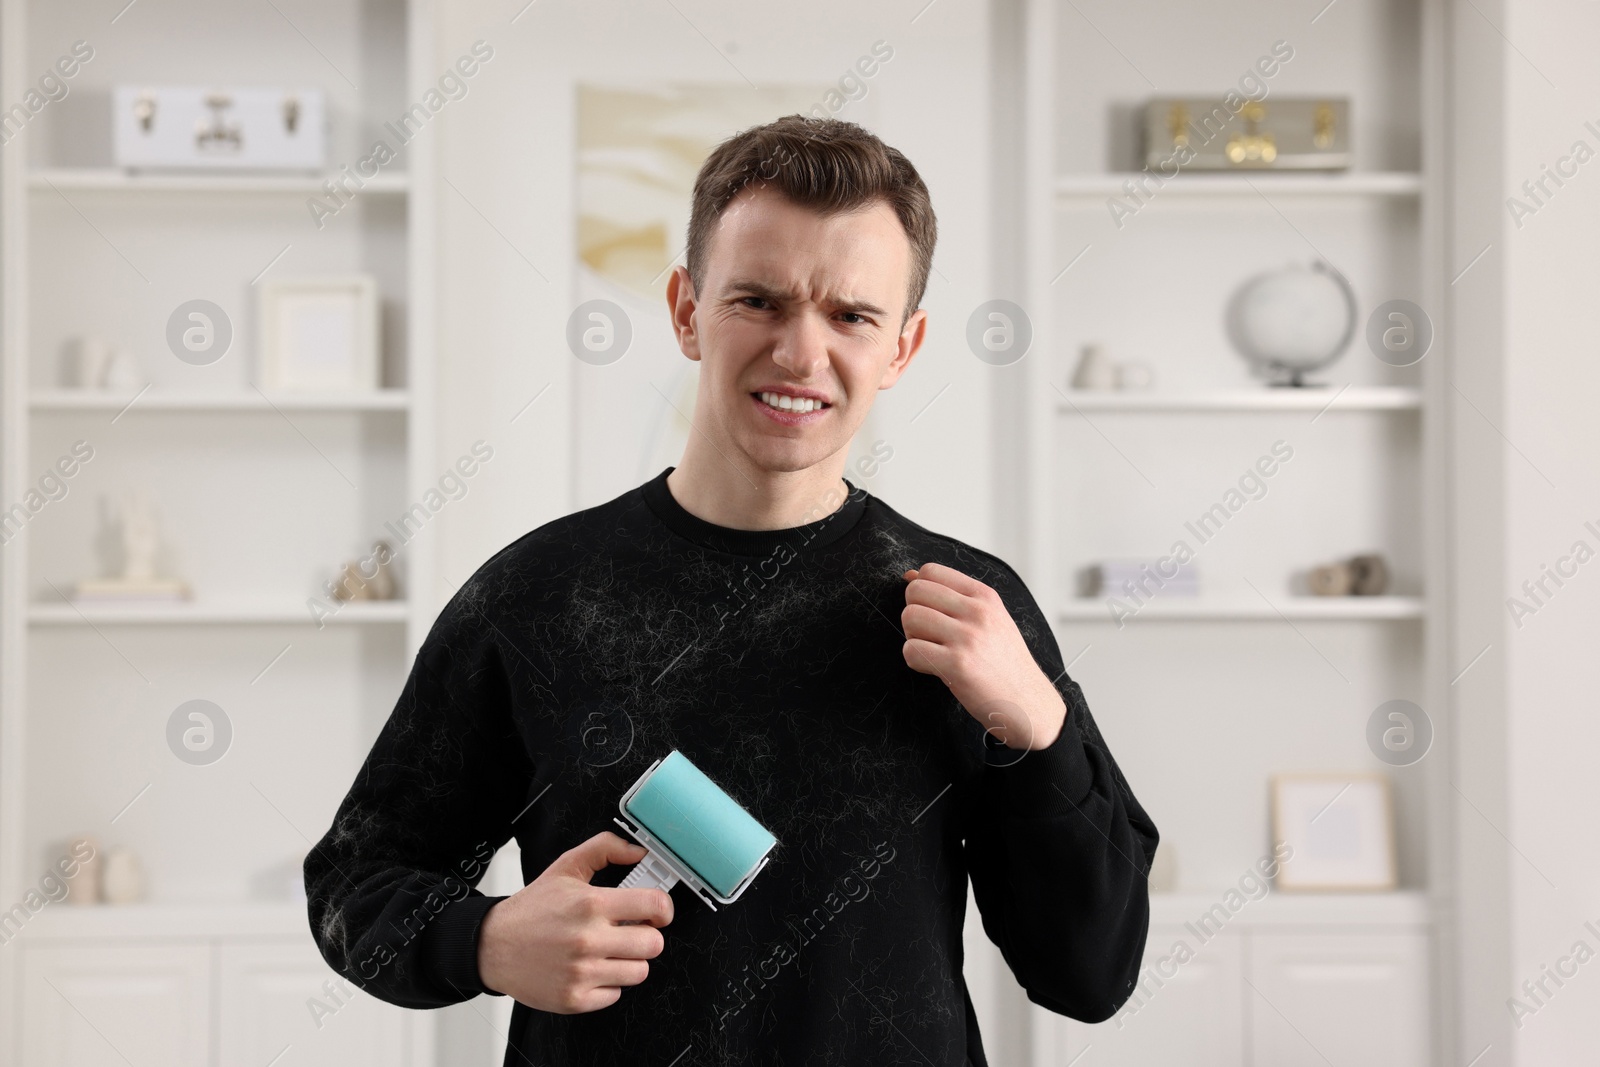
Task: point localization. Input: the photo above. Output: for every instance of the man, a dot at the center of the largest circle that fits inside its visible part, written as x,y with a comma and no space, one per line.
889,702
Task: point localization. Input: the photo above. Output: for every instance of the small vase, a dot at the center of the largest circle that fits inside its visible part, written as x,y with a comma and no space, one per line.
122,879
1094,370
122,372
87,357
84,887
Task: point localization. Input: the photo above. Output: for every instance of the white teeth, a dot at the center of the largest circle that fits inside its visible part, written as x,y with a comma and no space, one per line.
784,402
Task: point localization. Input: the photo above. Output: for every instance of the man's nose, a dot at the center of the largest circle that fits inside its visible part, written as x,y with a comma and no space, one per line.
802,347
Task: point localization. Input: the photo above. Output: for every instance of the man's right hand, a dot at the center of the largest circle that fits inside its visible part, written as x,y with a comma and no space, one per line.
558,946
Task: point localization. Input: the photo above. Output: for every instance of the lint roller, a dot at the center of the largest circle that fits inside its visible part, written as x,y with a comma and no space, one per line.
694,832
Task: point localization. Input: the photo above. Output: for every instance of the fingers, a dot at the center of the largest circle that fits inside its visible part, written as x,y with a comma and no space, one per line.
597,853
937,616
949,576
927,657
582,1002
930,624
653,906
606,942
940,597
589,999
599,985
614,973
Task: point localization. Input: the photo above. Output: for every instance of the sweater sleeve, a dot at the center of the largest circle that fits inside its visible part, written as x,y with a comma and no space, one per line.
1059,851
391,887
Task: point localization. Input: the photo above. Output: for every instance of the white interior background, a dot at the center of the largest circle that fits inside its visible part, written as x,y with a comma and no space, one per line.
1199,716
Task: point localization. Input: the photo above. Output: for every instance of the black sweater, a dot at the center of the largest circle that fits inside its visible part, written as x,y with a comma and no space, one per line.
603,640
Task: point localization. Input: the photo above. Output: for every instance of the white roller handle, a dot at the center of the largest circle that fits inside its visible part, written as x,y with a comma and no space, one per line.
649,873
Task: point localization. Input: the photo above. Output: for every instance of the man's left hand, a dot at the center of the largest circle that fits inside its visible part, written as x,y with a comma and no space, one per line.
958,629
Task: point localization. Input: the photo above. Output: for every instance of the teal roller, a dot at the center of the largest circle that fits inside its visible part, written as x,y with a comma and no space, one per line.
695,833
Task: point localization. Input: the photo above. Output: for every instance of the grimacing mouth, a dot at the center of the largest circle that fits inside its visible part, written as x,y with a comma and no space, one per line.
788,402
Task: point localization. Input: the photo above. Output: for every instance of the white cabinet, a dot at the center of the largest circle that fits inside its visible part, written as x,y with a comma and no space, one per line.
180,994
1186,1008
283,996
1299,982
92,1007
1330,998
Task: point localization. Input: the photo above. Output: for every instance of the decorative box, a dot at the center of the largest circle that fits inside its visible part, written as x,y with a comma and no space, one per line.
211,128
1278,133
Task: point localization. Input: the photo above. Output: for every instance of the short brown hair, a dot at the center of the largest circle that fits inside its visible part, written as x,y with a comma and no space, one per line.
828,165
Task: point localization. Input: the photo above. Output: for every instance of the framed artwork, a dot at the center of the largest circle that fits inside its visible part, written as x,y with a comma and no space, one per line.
319,333
1340,828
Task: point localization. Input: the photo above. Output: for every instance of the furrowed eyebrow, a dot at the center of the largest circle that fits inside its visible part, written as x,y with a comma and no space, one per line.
767,292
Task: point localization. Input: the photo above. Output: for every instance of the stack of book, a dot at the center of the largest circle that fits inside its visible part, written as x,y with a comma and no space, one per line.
130,591
1139,578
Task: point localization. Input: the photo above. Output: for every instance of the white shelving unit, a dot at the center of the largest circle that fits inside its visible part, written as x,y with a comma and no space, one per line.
167,400
260,495
170,922
1346,398
1402,908
1268,185
1300,608
110,180
1204,699
201,613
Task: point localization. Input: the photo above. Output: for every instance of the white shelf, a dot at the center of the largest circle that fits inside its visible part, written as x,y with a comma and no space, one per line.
103,922
109,179
1284,908
159,400
1305,608
201,613
1271,184
1355,398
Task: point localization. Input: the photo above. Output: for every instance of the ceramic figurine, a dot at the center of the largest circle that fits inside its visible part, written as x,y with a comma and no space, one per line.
122,372
382,584
1369,575
1330,580
1094,370
1366,575
86,361
135,575
140,539
84,887
371,578
122,879
1135,376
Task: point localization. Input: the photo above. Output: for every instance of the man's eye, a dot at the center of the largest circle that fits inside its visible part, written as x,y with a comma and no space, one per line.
856,315
757,299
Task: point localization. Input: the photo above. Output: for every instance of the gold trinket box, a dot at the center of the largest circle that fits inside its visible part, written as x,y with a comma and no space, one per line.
1288,133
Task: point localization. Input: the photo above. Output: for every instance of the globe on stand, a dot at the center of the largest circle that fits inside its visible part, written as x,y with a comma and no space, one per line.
1287,323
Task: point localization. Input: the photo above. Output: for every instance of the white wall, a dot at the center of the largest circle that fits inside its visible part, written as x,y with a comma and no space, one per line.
1477,733
1552,478
1525,438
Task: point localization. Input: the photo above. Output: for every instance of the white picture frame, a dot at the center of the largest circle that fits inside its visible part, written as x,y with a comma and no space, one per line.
318,333
1339,829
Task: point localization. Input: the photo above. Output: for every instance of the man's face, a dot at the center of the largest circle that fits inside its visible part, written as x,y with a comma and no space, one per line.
799,306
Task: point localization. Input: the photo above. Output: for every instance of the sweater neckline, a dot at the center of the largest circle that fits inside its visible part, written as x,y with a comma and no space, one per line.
658,497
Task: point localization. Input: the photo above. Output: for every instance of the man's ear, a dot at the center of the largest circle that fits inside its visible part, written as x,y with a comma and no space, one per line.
908,345
681,303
